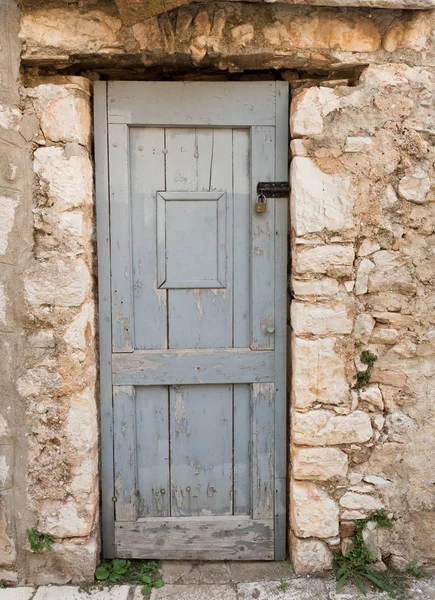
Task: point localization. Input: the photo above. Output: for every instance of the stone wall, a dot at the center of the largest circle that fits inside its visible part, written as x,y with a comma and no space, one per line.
363,221
48,341
58,384
363,241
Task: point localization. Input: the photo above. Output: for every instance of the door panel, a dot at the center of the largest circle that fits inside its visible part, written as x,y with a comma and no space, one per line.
193,315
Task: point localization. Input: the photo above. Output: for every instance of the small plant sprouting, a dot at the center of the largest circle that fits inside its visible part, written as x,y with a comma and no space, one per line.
283,585
146,574
112,571
414,569
39,541
363,377
368,358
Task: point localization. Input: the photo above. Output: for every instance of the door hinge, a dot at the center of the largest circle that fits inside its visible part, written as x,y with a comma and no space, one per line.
273,189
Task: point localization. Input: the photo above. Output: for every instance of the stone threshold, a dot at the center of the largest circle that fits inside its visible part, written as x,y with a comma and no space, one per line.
216,581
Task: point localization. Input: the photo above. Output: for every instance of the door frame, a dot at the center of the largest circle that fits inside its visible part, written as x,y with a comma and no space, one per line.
102,184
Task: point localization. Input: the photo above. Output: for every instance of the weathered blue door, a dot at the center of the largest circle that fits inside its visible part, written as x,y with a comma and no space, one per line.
193,380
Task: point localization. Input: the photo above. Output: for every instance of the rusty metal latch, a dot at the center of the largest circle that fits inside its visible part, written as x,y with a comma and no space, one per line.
273,189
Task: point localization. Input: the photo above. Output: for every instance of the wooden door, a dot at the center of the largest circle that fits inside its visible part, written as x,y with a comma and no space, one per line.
192,285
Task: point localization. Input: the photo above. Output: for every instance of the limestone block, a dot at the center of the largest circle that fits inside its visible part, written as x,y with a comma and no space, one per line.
322,427
69,519
384,335
67,179
315,287
372,395
392,272
321,319
318,200
81,422
71,30
358,144
409,32
377,481
67,120
81,327
57,283
415,187
320,259
364,324
312,512
394,378
38,380
318,464
367,247
242,34
361,502
318,373
310,556
308,108
8,205
365,267
299,147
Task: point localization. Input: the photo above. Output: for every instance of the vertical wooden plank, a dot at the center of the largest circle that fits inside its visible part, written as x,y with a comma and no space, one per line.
202,318
201,450
181,162
262,242
152,434
204,158
120,220
147,174
263,451
105,330
281,225
242,455
124,424
241,220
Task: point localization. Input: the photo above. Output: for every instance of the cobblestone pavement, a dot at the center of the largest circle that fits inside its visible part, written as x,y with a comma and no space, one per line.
221,581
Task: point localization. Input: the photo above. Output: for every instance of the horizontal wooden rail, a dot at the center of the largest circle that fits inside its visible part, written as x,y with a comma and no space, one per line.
196,538
184,367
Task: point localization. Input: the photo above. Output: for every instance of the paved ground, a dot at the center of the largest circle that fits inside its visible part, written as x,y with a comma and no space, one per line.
221,581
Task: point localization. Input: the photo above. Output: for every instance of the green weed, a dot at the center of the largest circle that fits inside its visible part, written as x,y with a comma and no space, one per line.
39,541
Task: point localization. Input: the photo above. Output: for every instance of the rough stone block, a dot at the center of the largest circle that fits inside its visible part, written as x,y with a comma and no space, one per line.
310,556
57,283
315,287
8,205
364,324
322,259
318,373
322,427
89,32
319,464
321,319
313,512
308,108
67,179
361,502
319,200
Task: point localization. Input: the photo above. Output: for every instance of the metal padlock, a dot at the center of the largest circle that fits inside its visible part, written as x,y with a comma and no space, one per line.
260,205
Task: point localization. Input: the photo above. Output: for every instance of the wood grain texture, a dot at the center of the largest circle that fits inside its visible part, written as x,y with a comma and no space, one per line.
201,450
176,367
124,411
152,451
262,243
105,328
263,451
190,104
120,226
196,159
147,175
199,538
